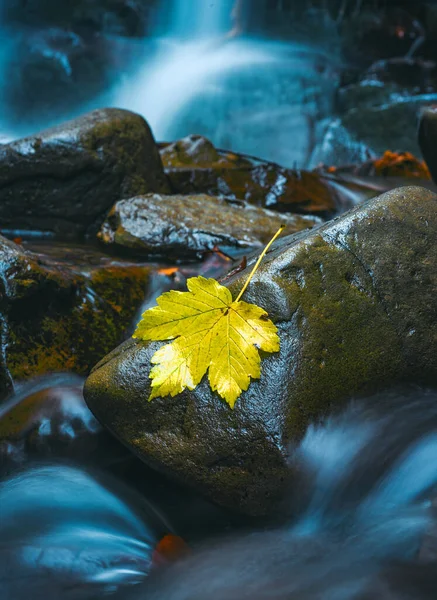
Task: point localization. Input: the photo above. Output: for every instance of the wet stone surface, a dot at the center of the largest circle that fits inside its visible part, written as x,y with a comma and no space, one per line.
346,325
65,179
194,166
61,312
188,226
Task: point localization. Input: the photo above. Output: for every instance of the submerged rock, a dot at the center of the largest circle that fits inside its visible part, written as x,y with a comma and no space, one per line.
194,166
64,179
355,305
176,226
62,316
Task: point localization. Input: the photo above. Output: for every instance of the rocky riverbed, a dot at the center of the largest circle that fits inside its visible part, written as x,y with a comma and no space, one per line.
98,218
118,214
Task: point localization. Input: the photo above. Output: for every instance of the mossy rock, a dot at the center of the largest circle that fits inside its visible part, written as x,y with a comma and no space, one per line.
355,305
65,179
188,226
62,317
194,166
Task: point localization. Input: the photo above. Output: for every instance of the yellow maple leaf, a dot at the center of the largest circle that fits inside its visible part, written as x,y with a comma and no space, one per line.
211,332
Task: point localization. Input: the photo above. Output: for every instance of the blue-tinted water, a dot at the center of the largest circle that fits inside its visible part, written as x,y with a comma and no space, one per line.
359,521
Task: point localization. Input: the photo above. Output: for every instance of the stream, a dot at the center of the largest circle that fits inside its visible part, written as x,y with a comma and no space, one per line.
80,518
246,119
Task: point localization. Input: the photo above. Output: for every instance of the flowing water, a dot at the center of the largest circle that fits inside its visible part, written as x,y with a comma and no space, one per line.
364,524
80,518
254,95
360,521
198,72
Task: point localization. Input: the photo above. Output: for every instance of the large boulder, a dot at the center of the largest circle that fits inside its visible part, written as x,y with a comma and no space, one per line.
65,179
189,226
62,314
355,305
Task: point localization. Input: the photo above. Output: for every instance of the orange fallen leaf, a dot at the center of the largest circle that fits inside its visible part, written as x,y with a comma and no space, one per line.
170,271
404,164
169,549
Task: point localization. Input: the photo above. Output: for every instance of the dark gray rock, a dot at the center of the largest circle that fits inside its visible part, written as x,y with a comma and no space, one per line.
428,138
64,179
355,305
176,226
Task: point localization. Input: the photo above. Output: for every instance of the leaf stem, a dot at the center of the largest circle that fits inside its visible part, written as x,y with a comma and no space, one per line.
261,256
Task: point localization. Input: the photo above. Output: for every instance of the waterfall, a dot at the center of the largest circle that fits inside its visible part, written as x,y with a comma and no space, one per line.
196,18
253,95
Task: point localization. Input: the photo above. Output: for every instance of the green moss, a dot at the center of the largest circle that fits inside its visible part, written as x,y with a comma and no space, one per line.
71,329
348,343
129,144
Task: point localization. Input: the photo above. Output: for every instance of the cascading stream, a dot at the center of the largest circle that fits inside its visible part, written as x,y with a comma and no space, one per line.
257,96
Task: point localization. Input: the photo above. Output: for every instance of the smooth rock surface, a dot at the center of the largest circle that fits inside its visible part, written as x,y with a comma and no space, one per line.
355,305
62,315
64,179
187,226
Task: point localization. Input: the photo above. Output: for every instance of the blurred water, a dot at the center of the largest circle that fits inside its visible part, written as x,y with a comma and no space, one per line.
364,504
63,533
256,96
361,524
196,18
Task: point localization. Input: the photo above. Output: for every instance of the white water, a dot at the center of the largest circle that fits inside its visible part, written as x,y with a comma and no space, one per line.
196,18
256,96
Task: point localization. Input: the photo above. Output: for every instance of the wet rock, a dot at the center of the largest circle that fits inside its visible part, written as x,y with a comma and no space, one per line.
197,151
62,316
194,166
177,226
410,74
380,111
428,138
64,179
355,305
380,125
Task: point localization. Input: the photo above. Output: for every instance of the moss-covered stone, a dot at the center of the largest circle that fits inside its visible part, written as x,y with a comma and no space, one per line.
355,305
188,226
194,166
59,316
65,179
